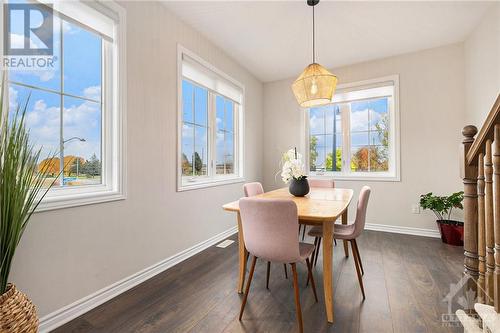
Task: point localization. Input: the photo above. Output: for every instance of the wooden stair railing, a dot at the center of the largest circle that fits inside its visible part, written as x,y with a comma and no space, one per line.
480,171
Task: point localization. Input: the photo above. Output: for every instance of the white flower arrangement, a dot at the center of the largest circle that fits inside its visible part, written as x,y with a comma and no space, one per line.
292,166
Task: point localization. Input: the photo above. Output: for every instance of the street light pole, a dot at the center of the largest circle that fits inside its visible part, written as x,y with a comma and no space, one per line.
61,156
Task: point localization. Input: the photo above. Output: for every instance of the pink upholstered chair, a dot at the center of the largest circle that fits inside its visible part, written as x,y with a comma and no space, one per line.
328,183
270,228
348,232
253,189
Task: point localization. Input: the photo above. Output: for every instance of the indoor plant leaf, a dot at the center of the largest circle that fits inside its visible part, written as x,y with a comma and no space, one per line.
21,183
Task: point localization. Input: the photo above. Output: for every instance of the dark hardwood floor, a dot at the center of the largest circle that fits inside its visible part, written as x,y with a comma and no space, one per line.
406,278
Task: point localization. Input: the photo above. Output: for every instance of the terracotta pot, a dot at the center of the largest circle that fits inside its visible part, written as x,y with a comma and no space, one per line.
452,232
17,313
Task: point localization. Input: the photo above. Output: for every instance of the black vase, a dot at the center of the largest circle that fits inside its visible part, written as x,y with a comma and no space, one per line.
299,188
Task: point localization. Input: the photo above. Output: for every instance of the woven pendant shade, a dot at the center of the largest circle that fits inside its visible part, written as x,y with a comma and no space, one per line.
315,86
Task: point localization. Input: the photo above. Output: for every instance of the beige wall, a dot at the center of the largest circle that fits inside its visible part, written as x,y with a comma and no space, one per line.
482,67
70,253
432,116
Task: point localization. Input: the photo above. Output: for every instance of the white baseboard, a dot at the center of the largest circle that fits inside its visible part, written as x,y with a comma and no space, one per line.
403,230
75,309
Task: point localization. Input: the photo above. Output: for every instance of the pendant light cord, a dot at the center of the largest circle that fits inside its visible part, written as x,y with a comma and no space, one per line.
314,39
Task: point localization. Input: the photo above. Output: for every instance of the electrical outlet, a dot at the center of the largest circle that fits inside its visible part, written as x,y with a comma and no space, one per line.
415,209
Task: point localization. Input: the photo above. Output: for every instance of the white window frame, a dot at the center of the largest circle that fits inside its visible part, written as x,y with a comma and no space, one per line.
394,173
113,138
211,179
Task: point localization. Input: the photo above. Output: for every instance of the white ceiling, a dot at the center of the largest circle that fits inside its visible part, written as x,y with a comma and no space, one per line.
273,39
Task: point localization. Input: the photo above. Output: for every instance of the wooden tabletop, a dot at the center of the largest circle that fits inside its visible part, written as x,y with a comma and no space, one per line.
321,204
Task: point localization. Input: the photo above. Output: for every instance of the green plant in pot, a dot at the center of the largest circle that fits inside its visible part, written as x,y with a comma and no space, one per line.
21,190
442,206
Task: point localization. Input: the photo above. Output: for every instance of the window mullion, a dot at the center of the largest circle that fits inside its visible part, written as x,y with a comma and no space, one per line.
107,105
193,161
226,135
212,135
346,135
61,105
325,150
236,155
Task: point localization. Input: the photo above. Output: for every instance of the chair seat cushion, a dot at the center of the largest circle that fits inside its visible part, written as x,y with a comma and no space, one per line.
305,250
316,231
340,231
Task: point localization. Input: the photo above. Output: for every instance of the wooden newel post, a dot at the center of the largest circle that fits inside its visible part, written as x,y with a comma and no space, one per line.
469,175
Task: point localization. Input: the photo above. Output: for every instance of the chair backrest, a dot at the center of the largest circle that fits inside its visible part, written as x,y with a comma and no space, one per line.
325,183
270,228
252,189
359,223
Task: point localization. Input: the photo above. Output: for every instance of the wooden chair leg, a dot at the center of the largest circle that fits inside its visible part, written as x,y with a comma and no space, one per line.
359,256
335,242
250,276
317,251
304,232
267,274
356,260
286,274
313,255
346,248
313,285
297,297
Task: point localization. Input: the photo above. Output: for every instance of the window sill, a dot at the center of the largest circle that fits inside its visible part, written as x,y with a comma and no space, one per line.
209,183
361,177
67,199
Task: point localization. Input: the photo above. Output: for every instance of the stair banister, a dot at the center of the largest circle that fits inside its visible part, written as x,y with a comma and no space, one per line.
480,172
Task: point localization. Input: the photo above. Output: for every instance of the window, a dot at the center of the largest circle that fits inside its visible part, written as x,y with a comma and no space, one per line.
210,107
74,111
357,136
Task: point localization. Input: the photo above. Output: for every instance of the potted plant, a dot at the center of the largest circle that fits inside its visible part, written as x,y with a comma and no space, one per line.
452,232
21,190
293,172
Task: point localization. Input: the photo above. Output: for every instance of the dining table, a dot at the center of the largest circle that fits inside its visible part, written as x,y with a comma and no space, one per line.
322,206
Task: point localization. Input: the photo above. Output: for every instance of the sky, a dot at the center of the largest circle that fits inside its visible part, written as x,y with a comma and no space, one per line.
81,78
364,116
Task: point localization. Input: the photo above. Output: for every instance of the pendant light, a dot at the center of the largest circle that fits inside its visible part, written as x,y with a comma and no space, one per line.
316,85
